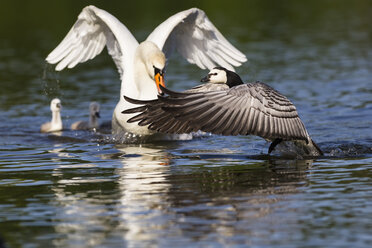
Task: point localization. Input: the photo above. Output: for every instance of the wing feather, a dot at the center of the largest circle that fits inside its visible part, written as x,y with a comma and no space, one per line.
260,120
238,118
93,30
242,124
196,38
245,109
267,126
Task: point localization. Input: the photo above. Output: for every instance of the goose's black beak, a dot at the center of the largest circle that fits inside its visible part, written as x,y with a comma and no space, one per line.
98,115
205,79
159,79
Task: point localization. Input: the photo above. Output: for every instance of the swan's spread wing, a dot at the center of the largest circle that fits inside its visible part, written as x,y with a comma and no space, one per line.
195,37
94,29
246,109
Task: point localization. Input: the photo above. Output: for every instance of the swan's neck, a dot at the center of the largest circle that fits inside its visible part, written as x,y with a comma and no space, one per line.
93,121
56,119
144,85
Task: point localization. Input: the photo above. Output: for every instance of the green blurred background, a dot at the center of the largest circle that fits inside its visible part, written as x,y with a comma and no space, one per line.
24,20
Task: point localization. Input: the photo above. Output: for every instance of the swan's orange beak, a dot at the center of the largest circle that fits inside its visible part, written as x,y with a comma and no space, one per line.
159,79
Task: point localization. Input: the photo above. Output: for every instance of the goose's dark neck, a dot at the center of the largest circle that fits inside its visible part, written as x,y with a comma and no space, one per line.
233,79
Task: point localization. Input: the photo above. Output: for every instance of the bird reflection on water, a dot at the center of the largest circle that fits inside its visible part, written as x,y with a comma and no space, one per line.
147,192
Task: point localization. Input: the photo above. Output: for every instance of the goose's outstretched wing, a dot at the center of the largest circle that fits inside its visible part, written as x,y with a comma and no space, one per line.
246,109
94,29
194,36
153,114
158,120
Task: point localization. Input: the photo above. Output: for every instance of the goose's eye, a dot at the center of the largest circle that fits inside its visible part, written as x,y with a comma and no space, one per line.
212,74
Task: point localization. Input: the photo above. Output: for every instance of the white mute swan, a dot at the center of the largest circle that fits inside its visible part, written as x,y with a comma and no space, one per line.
227,106
56,123
190,32
94,108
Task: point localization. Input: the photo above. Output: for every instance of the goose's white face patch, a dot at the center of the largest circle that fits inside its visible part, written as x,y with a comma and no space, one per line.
217,76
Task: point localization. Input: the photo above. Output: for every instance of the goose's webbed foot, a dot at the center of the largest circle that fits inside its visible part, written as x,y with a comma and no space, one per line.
274,144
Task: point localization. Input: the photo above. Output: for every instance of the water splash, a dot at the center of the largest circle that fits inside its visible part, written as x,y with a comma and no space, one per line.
50,82
350,150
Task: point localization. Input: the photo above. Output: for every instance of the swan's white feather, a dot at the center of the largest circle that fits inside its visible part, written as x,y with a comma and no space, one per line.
94,29
196,39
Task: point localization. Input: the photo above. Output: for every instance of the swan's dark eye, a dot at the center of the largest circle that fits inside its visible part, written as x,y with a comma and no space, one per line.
212,74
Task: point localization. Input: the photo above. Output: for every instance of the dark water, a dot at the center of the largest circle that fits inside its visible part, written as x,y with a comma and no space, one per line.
79,189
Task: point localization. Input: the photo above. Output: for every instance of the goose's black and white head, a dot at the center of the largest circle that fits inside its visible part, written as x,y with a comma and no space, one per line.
220,75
